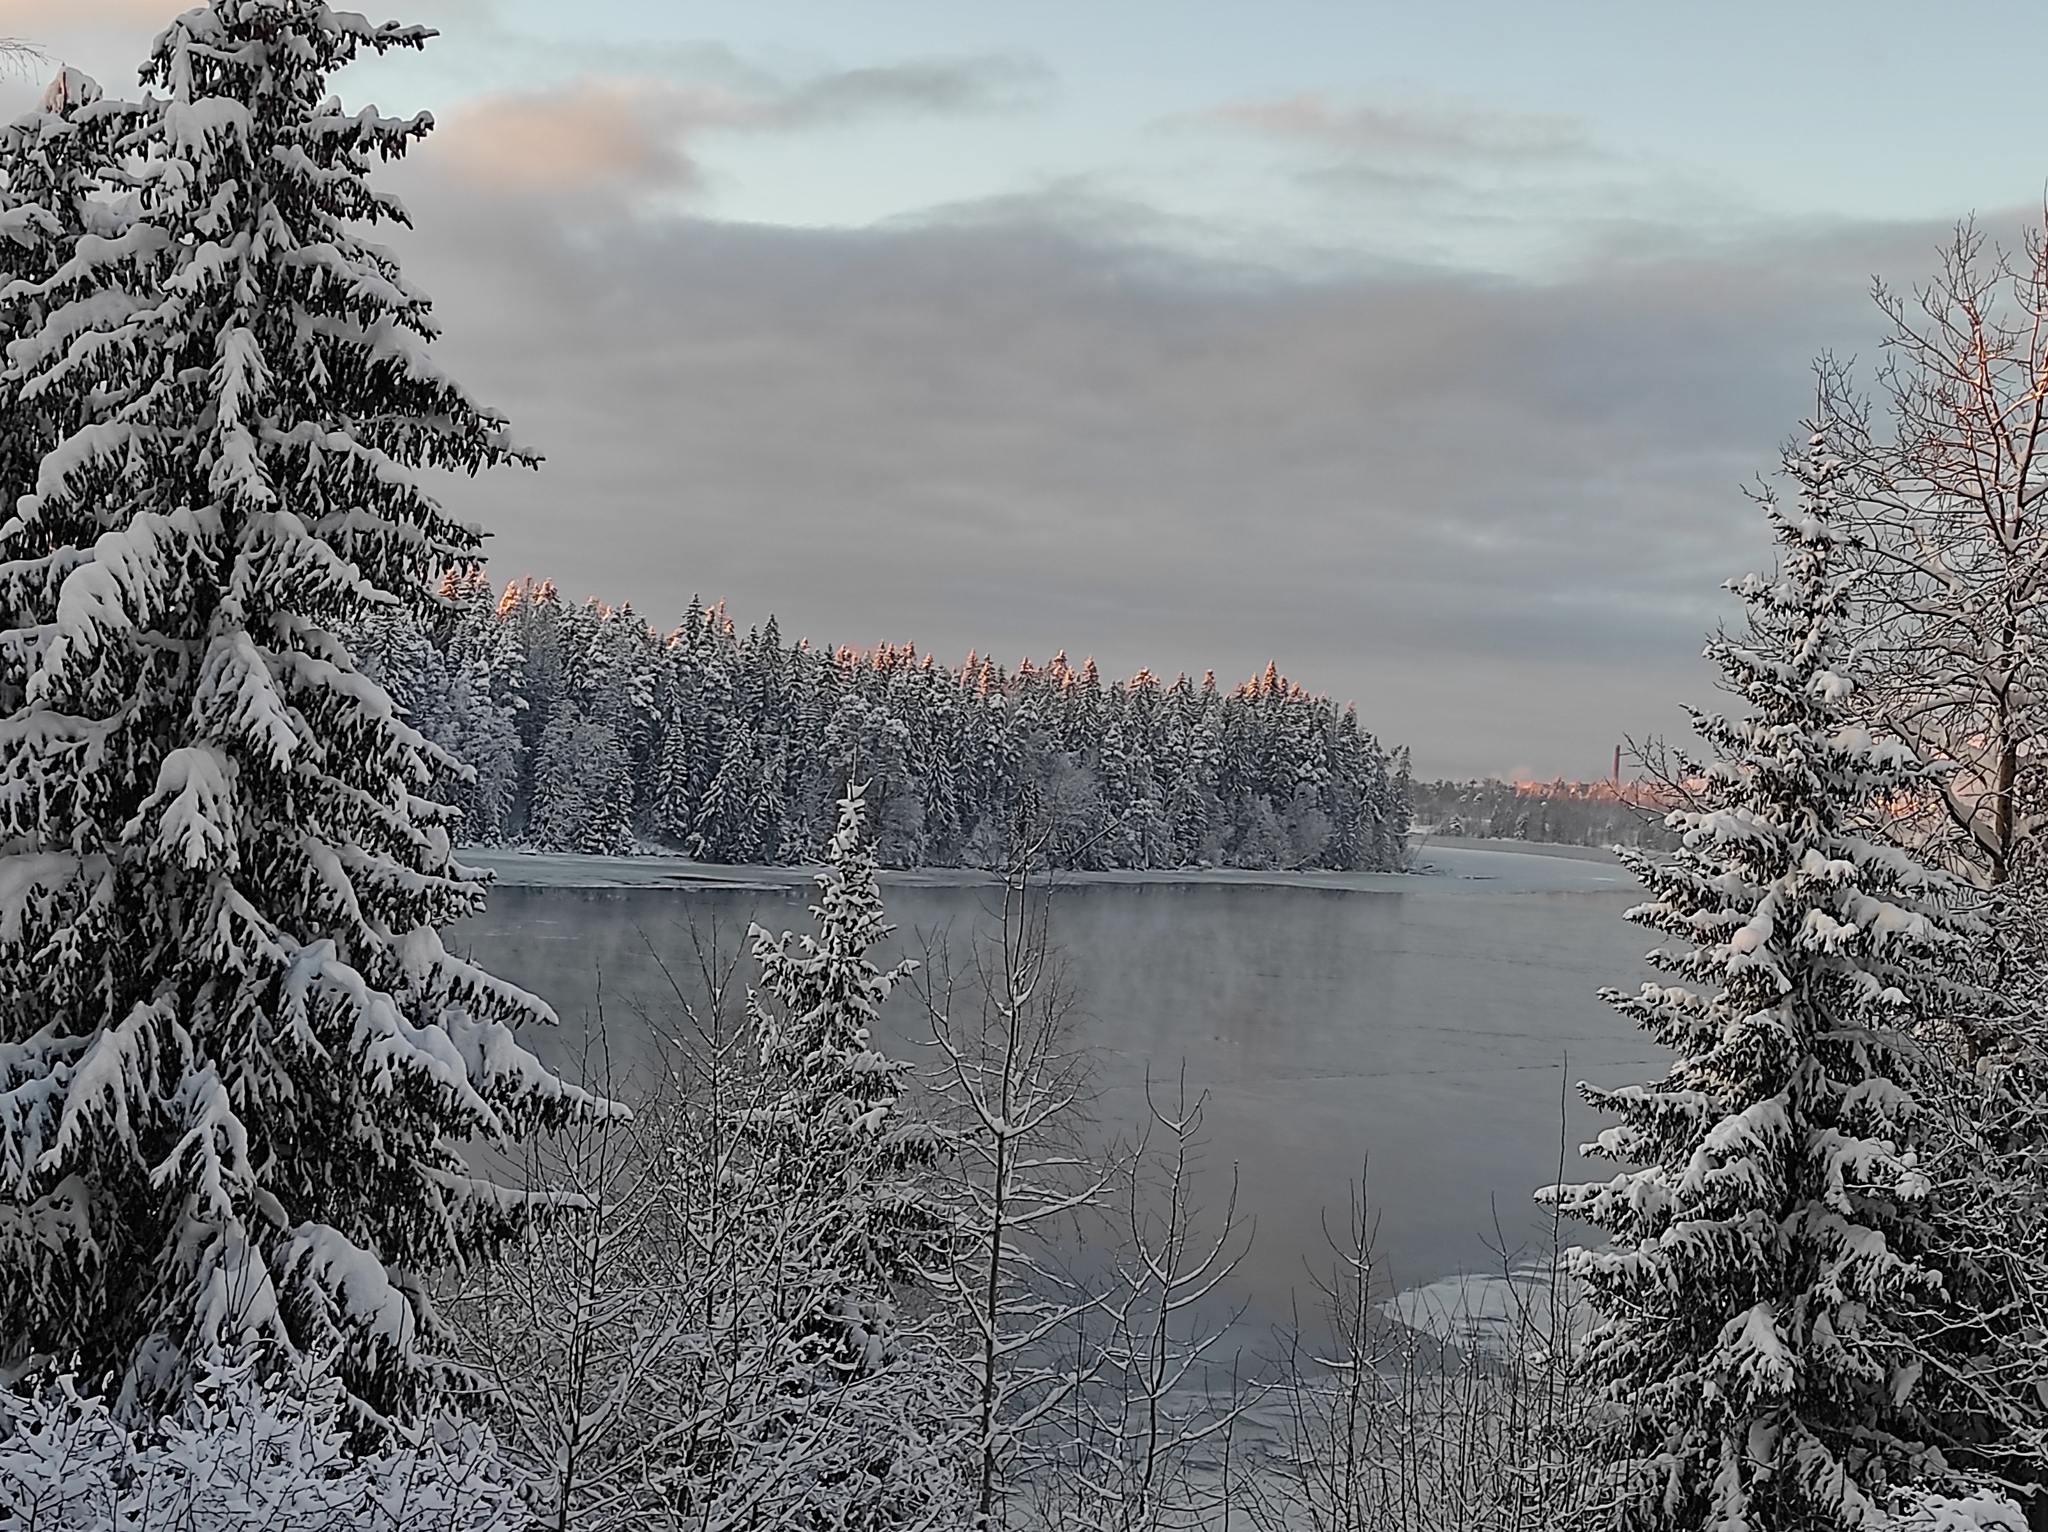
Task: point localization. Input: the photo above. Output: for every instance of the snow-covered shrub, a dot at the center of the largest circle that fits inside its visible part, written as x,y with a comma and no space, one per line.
241,1455
1981,1512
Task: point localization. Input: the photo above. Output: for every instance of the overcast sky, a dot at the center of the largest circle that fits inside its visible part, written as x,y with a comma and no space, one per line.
1423,348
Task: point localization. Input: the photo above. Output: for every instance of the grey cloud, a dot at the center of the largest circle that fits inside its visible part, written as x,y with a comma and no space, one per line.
994,82
1468,184
1412,127
484,51
1495,514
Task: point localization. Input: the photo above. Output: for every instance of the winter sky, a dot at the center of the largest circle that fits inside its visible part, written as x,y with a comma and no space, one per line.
1423,347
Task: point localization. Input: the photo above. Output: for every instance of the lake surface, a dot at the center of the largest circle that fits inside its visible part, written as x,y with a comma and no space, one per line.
1418,1023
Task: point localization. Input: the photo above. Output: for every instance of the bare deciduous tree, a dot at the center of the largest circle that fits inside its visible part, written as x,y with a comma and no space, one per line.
1945,496
1151,1442
1022,1177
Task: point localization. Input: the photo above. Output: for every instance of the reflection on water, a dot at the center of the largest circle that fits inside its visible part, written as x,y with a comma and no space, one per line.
1423,1029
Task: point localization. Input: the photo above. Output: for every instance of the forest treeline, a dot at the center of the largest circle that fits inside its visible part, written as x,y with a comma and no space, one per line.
1560,812
585,729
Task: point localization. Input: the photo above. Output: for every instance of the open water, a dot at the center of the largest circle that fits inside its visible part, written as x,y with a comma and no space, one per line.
1423,1025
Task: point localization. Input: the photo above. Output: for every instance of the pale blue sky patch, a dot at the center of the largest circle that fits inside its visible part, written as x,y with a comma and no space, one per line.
1606,111
1880,110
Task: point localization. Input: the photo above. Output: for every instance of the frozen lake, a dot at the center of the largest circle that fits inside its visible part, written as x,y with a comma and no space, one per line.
1421,1022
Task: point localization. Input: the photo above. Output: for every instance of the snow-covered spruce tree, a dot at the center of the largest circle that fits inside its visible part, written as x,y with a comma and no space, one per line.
46,202
483,665
831,1138
236,1064
1775,1230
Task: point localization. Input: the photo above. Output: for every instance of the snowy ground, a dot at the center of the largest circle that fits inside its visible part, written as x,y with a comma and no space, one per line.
1484,1309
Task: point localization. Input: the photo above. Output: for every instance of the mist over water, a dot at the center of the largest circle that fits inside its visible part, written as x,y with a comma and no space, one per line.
1417,1024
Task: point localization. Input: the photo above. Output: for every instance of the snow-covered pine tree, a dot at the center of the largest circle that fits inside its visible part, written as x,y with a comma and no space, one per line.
830,1135
863,740
237,1066
1763,1251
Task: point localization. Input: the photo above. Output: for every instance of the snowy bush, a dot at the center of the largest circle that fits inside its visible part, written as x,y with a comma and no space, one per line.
241,1455
1984,1511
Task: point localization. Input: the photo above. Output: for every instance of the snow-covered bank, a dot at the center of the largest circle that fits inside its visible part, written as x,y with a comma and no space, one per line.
1441,866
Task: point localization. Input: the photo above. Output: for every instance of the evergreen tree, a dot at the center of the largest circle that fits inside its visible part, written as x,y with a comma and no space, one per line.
831,1136
726,821
484,666
237,1066
1766,1250
46,204
582,788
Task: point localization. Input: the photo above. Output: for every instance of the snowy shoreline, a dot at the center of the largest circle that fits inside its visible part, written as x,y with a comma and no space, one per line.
1442,866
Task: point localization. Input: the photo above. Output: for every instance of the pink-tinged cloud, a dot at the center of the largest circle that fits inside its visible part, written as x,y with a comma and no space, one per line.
594,134
1409,129
26,19
634,132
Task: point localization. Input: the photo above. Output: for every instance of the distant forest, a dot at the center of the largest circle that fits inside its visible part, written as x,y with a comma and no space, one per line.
588,730
1562,813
